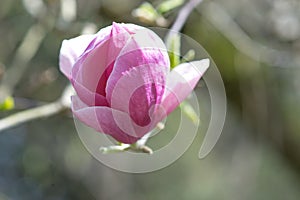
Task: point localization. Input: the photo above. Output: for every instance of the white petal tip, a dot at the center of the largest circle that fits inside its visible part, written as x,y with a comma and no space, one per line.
201,65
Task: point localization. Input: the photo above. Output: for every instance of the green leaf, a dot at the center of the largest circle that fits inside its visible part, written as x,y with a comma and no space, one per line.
173,44
146,12
168,5
7,104
189,111
189,56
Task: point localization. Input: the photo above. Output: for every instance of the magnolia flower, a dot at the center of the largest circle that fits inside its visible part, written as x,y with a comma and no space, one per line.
123,81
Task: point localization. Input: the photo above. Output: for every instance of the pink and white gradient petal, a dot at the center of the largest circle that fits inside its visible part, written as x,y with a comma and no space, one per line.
105,120
70,51
181,82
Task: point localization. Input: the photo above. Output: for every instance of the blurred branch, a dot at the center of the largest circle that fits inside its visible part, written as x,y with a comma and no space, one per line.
26,51
47,110
28,47
68,10
183,14
224,23
24,54
30,114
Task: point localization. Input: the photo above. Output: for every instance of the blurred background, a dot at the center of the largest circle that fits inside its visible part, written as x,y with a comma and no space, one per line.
254,43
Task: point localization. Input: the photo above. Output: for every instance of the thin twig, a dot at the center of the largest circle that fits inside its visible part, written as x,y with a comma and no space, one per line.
183,14
42,111
30,114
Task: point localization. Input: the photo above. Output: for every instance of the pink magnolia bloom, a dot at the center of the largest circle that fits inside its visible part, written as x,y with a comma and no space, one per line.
123,80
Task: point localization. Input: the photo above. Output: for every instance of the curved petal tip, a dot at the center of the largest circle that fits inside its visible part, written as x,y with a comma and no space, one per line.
201,65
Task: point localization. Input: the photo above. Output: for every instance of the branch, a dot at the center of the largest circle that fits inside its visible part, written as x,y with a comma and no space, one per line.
42,111
183,14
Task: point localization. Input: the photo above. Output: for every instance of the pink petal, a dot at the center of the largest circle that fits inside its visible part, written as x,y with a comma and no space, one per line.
108,32
105,120
93,69
141,89
181,81
70,52
150,52
139,77
73,48
88,97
